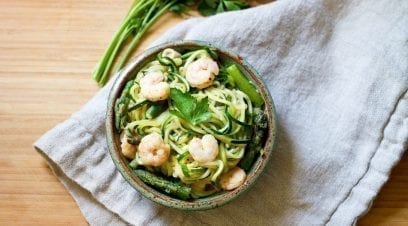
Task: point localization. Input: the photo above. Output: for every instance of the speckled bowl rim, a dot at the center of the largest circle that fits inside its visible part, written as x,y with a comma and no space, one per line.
203,203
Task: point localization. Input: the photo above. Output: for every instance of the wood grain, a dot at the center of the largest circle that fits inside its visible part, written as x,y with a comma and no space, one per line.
47,50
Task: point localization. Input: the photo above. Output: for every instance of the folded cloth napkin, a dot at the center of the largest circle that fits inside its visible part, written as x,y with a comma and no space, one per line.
338,73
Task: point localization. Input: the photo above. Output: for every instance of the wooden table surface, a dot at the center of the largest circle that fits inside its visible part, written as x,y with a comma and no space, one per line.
48,49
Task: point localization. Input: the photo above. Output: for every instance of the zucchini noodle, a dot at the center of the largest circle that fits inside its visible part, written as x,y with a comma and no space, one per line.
230,122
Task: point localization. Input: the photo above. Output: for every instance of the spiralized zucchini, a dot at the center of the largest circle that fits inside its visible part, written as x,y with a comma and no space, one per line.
230,122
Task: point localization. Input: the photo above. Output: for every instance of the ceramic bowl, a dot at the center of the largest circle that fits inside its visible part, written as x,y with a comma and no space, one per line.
121,162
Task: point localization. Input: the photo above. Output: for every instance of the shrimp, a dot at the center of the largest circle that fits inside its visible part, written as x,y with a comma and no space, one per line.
232,179
203,150
152,150
153,87
128,150
201,73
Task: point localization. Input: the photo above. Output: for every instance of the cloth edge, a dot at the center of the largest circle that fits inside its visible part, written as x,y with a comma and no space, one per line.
372,172
40,145
69,186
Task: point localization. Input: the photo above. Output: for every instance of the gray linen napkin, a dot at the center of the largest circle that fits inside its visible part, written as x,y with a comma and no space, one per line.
338,73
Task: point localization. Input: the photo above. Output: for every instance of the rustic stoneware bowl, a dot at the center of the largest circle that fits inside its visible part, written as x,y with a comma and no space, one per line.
122,163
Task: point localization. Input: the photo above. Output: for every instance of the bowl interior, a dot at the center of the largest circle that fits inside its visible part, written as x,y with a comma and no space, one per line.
121,162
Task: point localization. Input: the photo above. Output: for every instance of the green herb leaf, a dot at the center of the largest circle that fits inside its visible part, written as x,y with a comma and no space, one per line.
220,8
177,113
188,108
201,113
184,102
139,20
231,6
179,8
205,9
201,118
211,7
212,3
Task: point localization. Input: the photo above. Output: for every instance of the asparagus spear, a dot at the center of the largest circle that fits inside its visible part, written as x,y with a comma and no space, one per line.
245,85
172,188
261,123
156,109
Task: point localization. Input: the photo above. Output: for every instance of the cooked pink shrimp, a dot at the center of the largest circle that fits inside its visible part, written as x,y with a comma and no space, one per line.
204,149
201,73
152,150
232,179
153,87
128,150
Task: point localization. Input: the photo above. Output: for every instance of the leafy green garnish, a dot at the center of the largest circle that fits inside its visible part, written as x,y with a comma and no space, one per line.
212,7
140,18
189,108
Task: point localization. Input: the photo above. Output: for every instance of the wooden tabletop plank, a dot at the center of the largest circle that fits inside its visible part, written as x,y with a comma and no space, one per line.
48,49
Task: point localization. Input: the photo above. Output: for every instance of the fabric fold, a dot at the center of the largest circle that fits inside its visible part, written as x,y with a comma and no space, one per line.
337,72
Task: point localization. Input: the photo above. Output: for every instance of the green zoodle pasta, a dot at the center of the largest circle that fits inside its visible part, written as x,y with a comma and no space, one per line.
191,122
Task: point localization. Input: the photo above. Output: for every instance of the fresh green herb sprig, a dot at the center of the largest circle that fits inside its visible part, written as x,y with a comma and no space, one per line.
189,108
141,16
212,7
